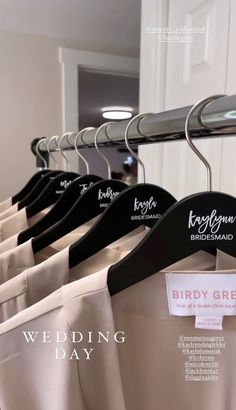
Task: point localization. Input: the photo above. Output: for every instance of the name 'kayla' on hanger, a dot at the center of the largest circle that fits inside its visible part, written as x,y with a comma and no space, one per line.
141,207
144,206
211,223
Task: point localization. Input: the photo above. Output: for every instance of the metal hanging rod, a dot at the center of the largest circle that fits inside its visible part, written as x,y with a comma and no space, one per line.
218,118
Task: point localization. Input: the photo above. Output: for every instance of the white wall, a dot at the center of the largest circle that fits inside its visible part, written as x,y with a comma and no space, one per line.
30,103
179,74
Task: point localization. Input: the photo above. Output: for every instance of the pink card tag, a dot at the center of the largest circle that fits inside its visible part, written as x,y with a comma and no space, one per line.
211,323
208,297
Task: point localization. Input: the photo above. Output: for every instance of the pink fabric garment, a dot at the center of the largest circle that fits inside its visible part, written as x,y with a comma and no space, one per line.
9,243
9,212
16,260
18,222
20,217
5,204
39,281
136,374
19,258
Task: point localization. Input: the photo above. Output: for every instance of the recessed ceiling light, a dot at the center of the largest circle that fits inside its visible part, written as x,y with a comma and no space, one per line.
117,113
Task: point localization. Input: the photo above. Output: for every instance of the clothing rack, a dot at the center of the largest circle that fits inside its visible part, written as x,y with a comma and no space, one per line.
218,118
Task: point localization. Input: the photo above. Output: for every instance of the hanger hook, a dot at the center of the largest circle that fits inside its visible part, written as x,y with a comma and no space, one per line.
105,125
47,143
38,151
61,150
140,131
80,135
108,137
69,135
132,152
200,104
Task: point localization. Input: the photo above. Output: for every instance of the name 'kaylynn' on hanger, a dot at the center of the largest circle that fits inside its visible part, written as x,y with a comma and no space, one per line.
211,223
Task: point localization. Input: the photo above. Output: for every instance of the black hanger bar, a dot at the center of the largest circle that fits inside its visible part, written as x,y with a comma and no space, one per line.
217,118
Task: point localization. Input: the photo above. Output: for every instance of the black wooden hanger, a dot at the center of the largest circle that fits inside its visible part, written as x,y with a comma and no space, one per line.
61,207
55,188
139,205
142,204
34,179
43,181
51,193
65,202
178,235
91,204
38,188
195,223
29,186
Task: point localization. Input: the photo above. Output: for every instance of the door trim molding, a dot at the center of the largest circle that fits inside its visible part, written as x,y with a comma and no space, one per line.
72,60
153,79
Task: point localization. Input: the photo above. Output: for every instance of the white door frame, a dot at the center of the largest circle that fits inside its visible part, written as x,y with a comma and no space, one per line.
153,83
153,68
153,79
72,61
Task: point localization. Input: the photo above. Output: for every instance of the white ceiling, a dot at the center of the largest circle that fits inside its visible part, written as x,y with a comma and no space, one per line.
111,26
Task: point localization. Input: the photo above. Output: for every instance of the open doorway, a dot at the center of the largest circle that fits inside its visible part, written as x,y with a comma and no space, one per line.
93,74
98,92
